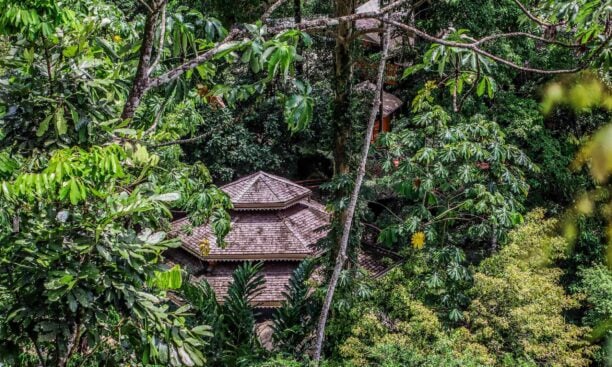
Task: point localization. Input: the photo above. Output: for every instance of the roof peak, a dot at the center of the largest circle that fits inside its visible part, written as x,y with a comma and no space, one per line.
263,190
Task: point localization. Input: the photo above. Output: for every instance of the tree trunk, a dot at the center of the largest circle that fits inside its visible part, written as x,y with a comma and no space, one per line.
350,211
297,17
140,83
343,73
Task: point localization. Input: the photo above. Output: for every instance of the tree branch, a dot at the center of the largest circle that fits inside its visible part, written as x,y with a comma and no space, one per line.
184,141
266,15
149,9
350,212
533,17
527,35
331,22
206,56
162,35
158,116
474,47
41,358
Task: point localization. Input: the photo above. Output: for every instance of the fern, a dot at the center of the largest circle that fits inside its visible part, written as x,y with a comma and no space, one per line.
240,316
233,322
295,319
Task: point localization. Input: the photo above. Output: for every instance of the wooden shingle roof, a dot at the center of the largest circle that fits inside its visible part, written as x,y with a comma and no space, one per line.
273,219
276,276
262,190
369,23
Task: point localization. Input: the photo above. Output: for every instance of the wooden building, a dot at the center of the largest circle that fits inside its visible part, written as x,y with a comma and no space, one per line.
275,221
390,105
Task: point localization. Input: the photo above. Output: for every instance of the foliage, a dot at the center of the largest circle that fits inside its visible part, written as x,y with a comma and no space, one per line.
596,285
400,330
461,184
82,251
233,321
485,190
518,304
294,321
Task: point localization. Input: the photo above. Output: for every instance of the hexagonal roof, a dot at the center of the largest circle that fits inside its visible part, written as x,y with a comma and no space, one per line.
262,190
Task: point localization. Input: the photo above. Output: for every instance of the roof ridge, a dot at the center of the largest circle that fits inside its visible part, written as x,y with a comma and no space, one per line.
254,178
285,180
269,188
293,230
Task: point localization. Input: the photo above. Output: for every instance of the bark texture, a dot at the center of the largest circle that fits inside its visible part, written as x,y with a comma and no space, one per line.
350,211
343,74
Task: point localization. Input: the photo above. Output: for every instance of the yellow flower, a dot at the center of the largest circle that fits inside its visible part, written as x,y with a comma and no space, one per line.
418,240
117,38
205,247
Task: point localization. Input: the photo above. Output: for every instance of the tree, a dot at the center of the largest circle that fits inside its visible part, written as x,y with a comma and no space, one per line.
518,304
233,322
294,321
457,47
82,255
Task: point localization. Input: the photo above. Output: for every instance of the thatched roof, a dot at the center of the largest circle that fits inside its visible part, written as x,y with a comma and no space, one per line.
262,190
390,102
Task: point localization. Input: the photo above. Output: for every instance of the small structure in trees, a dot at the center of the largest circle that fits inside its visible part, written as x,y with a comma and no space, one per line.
368,26
390,105
275,221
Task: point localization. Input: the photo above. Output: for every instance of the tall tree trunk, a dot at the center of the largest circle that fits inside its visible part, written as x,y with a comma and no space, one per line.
350,211
343,73
297,17
140,84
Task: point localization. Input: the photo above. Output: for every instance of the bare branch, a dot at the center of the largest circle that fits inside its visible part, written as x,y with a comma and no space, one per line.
266,15
474,47
350,211
533,17
149,9
526,35
184,141
206,56
158,116
331,22
363,32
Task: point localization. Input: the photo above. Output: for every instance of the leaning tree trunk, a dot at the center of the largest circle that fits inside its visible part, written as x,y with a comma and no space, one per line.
350,211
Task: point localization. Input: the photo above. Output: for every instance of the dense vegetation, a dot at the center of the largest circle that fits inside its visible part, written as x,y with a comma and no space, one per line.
117,116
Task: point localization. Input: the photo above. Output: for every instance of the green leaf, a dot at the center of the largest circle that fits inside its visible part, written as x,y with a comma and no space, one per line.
75,192
481,87
60,121
44,126
70,51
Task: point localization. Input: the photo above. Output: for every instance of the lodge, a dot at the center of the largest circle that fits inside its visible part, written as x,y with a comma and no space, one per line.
273,220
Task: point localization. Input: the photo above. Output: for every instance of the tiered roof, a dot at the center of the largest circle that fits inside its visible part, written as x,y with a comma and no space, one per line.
261,191
273,220
276,276
288,234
